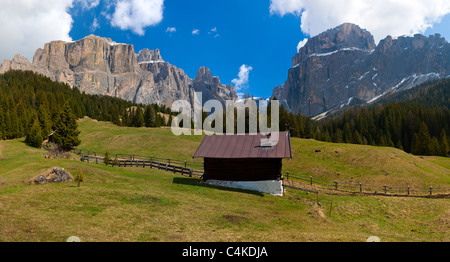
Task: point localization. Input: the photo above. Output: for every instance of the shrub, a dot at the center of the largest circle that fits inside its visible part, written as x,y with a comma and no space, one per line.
79,177
107,160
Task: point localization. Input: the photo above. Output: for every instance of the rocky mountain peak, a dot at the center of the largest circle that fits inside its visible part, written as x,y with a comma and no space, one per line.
343,66
344,36
147,55
98,65
211,87
203,74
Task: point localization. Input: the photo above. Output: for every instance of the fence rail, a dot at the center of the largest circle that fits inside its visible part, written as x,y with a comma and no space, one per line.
124,160
363,188
196,169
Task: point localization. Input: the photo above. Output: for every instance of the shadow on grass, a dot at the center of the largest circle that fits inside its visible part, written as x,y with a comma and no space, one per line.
200,183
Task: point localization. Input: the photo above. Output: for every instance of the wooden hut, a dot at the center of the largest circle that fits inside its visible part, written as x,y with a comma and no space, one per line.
50,137
249,161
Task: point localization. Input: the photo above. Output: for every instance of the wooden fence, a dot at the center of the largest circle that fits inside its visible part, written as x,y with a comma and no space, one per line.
124,160
306,183
362,188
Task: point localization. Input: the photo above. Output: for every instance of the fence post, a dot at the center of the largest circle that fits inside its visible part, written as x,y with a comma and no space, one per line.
311,180
431,190
151,163
331,206
335,185
190,172
385,189
287,175
408,190
360,188
96,160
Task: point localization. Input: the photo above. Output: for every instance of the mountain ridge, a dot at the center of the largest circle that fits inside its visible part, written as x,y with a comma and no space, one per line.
344,64
98,65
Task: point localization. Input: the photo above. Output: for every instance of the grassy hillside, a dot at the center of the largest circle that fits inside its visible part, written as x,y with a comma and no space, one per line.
341,162
136,204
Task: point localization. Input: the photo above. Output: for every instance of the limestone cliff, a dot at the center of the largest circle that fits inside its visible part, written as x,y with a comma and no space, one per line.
98,65
343,65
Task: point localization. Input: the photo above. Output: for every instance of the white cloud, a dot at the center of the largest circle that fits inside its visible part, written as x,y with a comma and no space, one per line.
242,80
27,25
302,43
381,18
135,15
171,29
240,95
95,25
88,4
195,31
213,31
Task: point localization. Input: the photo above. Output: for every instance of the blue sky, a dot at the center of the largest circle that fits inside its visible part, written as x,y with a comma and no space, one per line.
260,36
255,38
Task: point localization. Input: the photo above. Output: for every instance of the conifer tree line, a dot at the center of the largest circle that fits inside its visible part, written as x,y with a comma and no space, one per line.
416,121
31,106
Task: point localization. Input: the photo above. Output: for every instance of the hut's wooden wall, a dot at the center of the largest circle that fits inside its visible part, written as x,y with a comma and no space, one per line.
243,169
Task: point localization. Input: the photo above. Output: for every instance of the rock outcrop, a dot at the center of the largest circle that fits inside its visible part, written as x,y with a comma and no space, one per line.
98,65
343,66
211,87
147,55
54,174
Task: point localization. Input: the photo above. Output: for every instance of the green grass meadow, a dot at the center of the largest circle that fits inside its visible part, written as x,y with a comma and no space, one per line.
146,205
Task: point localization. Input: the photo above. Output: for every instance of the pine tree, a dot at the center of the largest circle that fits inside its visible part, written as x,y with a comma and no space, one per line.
115,117
434,147
45,121
444,147
131,118
150,116
158,121
357,138
308,127
422,141
138,118
347,133
125,118
34,136
13,125
169,121
338,136
66,135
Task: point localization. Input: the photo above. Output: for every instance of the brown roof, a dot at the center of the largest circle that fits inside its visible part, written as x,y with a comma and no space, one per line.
244,146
